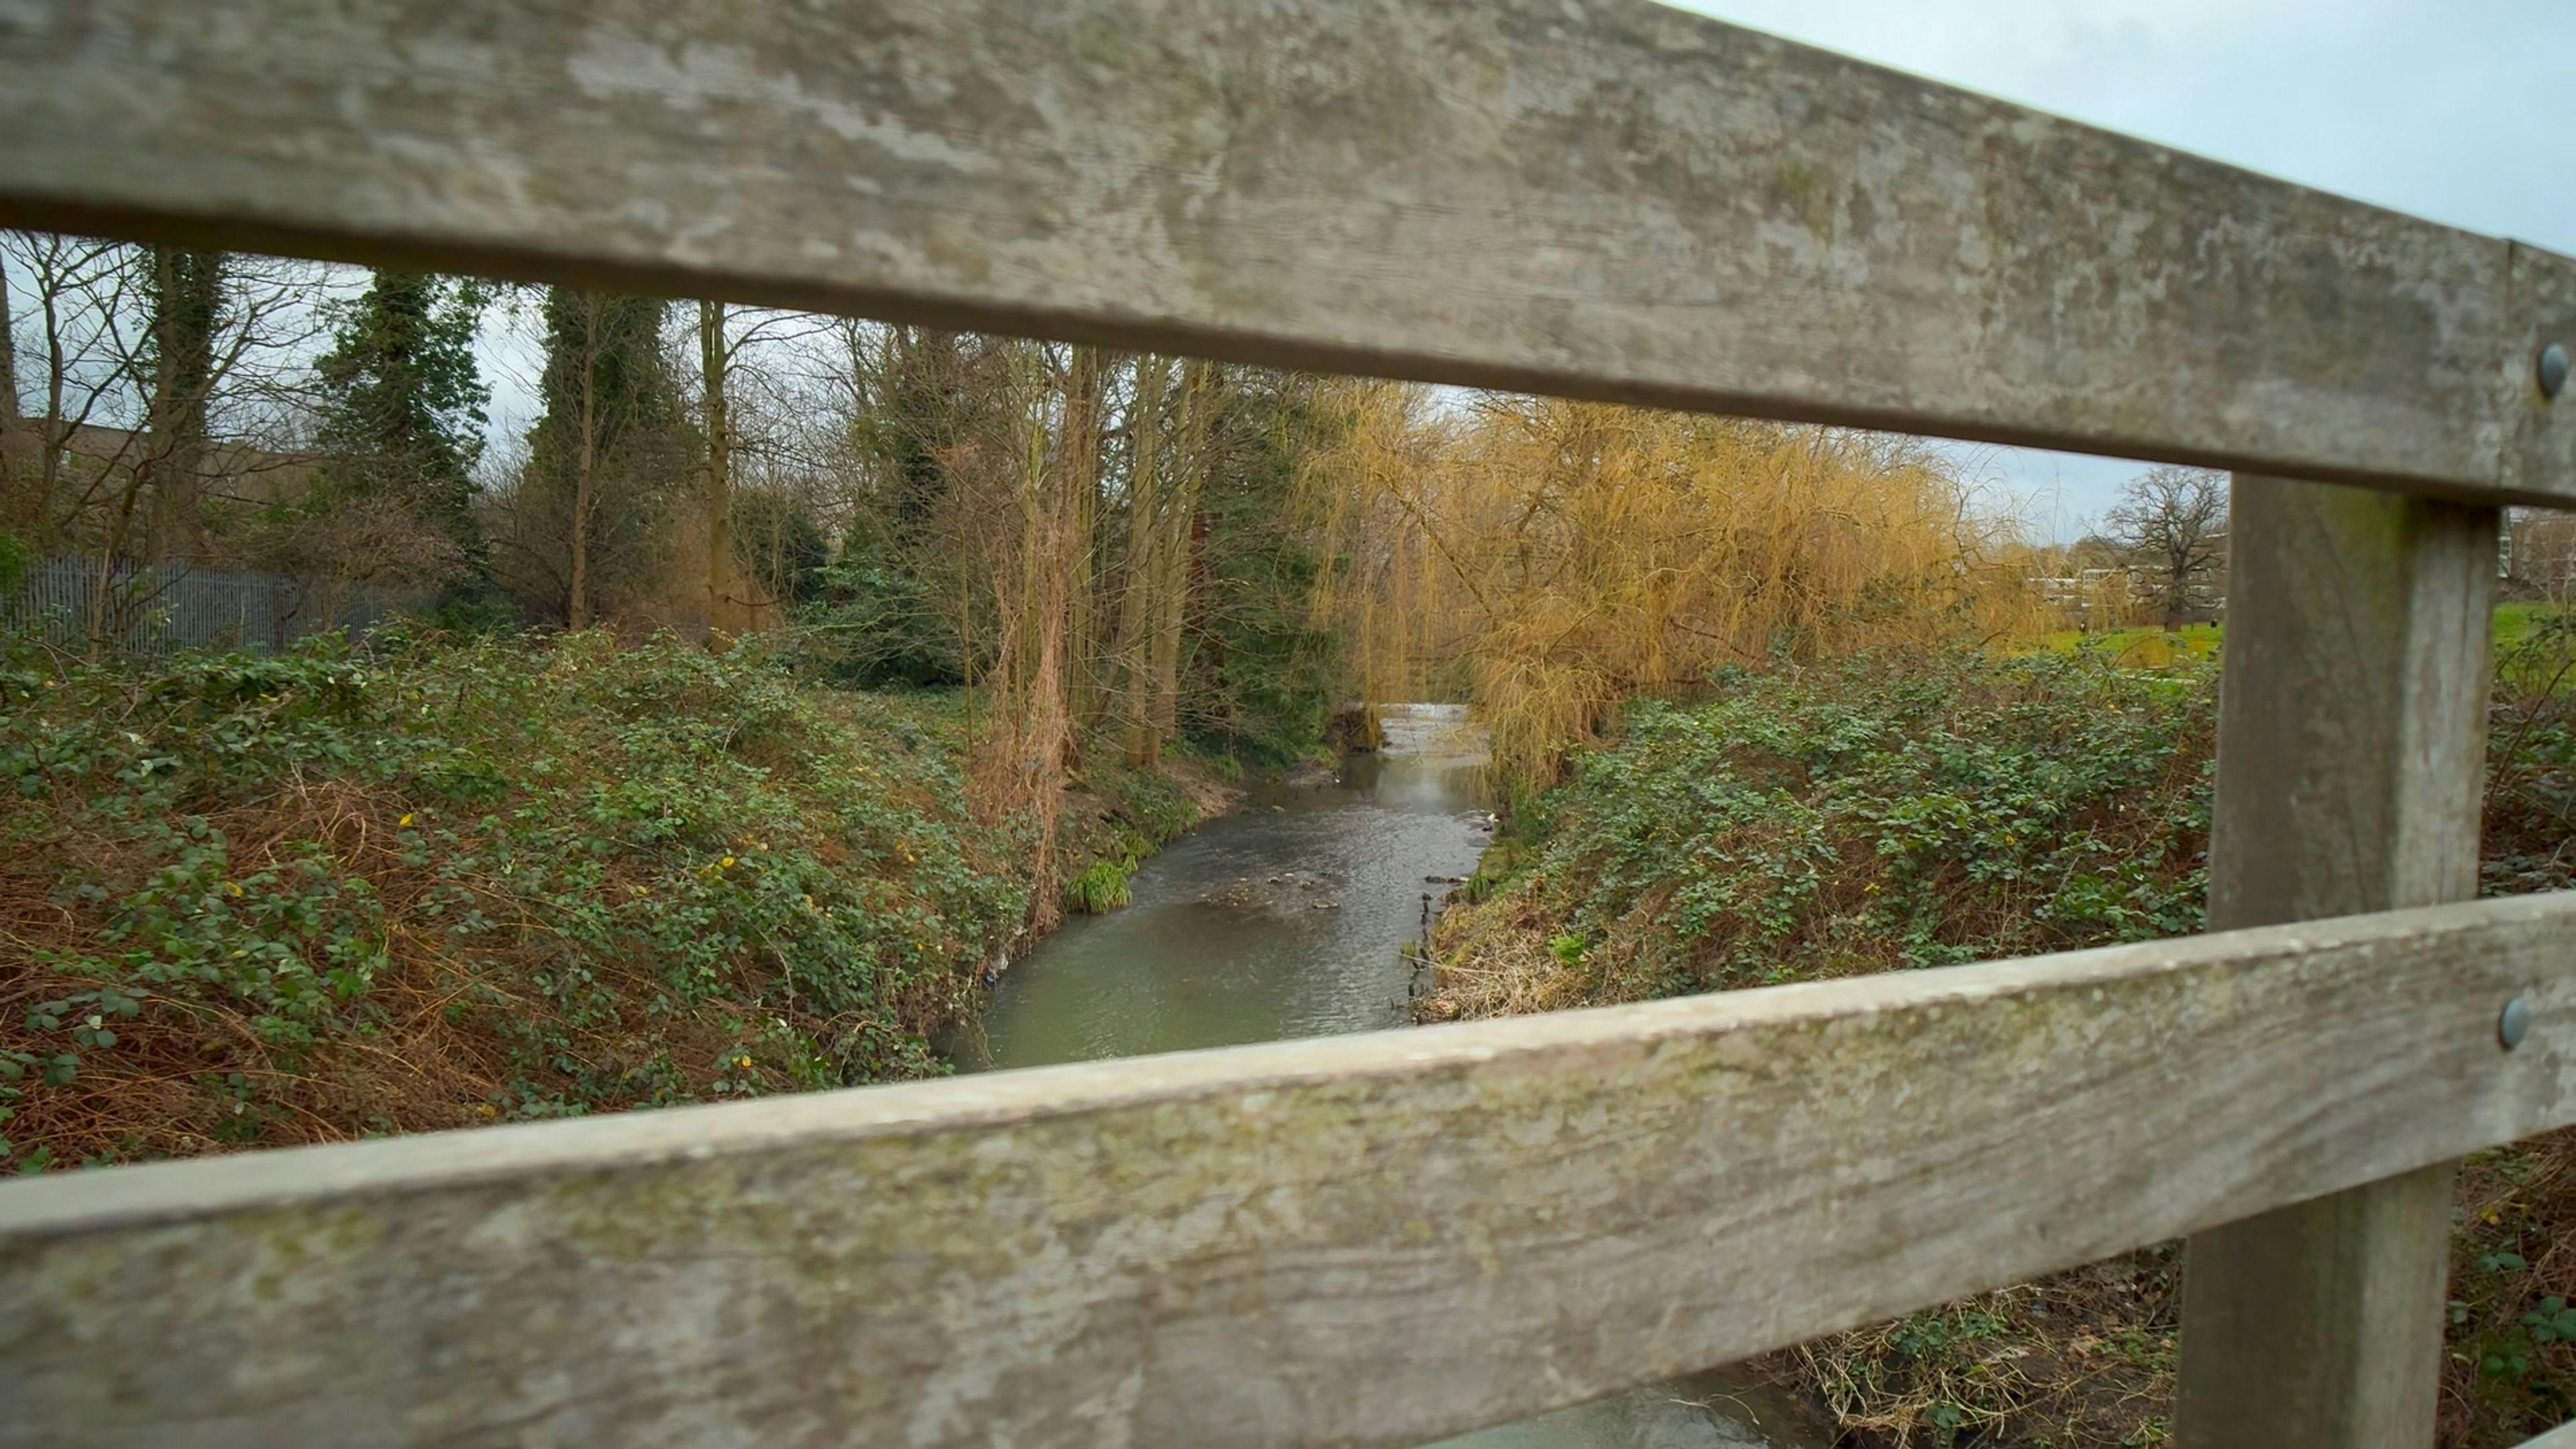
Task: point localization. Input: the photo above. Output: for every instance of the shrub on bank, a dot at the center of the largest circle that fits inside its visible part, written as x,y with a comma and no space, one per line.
1847,820
1880,815
348,891
1101,887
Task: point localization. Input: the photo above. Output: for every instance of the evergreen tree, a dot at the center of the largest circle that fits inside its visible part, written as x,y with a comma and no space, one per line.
184,292
1258,672
613,445
403,415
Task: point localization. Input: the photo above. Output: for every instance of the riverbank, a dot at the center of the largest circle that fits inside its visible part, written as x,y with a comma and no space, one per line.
341,893
1877,816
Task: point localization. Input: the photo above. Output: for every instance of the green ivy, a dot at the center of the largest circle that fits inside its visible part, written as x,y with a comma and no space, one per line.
1856,818
605,856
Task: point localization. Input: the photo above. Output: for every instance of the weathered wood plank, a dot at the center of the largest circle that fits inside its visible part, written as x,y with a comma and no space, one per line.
2542,455
1609,199
1363,1240
2351,750
2563,1437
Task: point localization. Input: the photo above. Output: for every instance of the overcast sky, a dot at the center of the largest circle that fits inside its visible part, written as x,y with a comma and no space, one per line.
2461,111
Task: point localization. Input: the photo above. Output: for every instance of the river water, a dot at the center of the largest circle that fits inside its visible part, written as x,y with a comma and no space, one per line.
1288,918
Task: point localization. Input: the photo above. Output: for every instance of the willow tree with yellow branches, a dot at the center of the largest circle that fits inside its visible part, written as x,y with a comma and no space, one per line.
1549,560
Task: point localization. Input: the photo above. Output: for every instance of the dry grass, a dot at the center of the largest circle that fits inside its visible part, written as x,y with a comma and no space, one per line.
187,1078
200,1074
332,895
2085,1358
1502,967
341,894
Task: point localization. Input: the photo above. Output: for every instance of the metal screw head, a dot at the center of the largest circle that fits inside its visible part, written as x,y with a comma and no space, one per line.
2514,1024
2553,369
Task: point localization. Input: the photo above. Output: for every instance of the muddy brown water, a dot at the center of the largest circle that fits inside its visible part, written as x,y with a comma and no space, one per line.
1289,918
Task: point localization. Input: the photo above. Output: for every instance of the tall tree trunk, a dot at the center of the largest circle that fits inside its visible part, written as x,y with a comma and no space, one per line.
1085,409
25,498
1033,731
1172,584
585,480
187,293
9,367
1137,614
920,397
50,429
724,611
158,469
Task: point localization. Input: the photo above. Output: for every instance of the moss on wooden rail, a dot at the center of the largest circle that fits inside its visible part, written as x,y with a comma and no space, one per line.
1615,200
1364,1240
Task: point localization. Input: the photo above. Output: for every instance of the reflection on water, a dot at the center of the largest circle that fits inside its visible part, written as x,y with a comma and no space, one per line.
1288,919
1285,919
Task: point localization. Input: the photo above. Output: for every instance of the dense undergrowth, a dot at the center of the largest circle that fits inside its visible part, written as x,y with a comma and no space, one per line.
427,883
1882,815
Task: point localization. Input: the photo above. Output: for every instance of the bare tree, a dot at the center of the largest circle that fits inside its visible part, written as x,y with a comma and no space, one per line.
1148,513
123,406
584,532
715,357
738,348
2172,523
11,459
77,289
2542,552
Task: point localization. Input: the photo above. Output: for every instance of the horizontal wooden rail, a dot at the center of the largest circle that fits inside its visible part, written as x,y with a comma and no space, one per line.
1364,1240
1610,200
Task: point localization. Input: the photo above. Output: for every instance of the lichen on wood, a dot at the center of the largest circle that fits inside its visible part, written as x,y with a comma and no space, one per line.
1376,1239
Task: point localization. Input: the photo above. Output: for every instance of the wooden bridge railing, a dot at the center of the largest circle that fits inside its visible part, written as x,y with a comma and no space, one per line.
1380,1239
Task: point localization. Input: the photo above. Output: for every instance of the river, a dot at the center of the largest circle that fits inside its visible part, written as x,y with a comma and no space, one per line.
1288,918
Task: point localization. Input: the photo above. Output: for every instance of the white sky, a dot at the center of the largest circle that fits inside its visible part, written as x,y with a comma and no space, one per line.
2460,111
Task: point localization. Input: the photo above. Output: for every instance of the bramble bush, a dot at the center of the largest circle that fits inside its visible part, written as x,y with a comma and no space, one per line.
1860,817
426,883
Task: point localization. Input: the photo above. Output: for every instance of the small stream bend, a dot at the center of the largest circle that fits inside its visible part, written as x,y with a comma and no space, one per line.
1288,918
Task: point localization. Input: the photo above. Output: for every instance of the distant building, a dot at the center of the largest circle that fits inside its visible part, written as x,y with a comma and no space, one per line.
2539,558
94,489
227,471
2117,596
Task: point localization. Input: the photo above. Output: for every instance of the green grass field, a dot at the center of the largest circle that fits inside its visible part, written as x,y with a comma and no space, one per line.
2146,646
2514,622
2143,647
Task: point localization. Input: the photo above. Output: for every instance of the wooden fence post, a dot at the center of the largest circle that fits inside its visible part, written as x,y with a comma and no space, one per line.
2351,745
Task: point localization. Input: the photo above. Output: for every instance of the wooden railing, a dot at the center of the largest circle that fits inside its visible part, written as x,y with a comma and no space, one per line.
1384,1238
